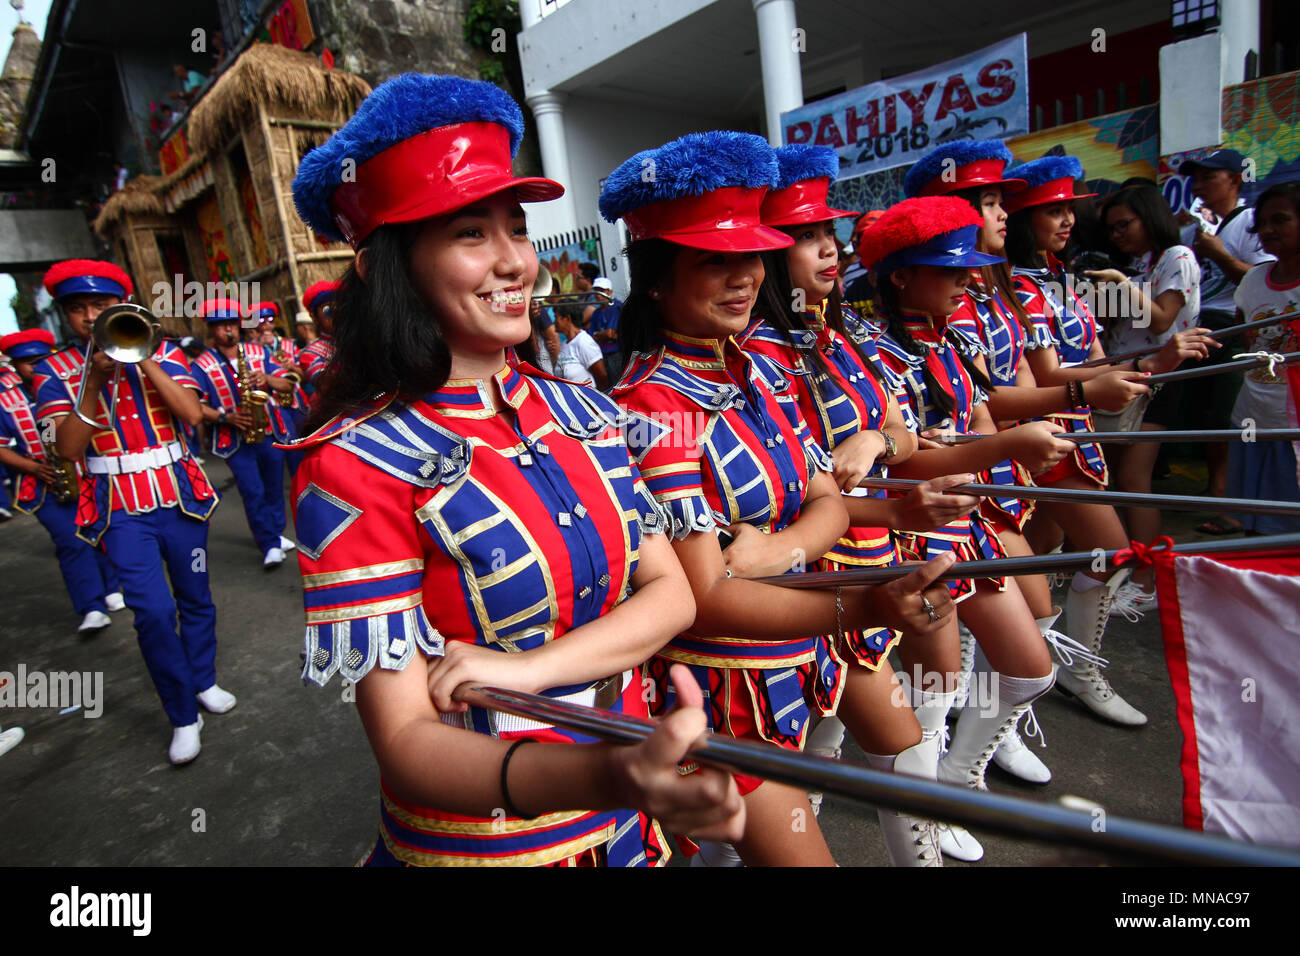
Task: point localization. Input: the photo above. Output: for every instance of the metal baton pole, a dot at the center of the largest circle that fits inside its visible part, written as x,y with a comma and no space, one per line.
1181,375
1034,564
1025,818
1126,498
1220,334
1195,435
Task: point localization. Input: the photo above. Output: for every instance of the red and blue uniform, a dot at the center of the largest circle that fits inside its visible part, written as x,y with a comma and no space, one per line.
441,520
1061,320
258,468
970,538
87,573
988,327
148,501
751,461
854,397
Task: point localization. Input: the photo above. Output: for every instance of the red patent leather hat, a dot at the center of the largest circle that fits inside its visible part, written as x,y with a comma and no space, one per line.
431,174
724,220
801,202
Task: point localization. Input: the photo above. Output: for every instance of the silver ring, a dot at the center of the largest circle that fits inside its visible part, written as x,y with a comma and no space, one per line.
728,572
929,608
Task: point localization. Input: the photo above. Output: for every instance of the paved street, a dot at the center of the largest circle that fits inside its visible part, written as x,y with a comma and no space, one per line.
287,776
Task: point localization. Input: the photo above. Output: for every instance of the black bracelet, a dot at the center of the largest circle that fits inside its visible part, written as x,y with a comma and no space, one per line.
513,810
1083,399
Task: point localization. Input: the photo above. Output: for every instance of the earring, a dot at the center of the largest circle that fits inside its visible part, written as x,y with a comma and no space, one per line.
655,294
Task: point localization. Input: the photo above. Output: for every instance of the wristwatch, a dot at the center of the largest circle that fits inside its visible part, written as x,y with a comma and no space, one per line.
221,419
891,446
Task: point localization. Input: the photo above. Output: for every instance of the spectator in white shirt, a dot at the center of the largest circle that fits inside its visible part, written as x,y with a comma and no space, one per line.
580,357
1227,249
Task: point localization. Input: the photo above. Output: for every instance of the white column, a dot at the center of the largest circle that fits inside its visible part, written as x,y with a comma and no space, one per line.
530,12
1239,25
778,49
548,110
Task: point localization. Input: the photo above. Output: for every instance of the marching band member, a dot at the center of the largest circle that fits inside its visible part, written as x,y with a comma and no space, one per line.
315,357
752,471
991,324
285,352
143,496
51,495
228,372
474,476
921,252
848,401
1063,334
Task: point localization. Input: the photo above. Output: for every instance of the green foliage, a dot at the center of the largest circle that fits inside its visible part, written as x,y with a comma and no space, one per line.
484,16
492,71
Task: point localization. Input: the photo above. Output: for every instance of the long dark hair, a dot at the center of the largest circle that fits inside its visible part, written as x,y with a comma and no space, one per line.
776,305
887,293
1022,247
1149,206
385,338
997,277
649,262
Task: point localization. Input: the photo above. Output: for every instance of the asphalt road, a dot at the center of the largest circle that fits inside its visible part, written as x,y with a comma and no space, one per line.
287,777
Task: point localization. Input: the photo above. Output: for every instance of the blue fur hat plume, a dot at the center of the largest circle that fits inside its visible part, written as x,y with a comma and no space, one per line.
695,164
931,166
398,109
1039,171
800,161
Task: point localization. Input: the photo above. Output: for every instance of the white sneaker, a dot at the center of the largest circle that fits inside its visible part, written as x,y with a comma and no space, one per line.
10,739
5,514
215,700
185,743
286,544
115,601
1018,760
94,621
274,557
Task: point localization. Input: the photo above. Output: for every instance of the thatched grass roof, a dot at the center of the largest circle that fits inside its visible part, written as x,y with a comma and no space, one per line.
281,78
139,197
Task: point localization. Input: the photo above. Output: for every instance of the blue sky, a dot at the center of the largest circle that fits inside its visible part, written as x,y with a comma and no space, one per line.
34,12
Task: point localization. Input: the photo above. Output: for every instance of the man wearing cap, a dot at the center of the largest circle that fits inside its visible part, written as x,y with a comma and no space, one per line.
1227,251
601,320
142,496
258,466
285,351
88,575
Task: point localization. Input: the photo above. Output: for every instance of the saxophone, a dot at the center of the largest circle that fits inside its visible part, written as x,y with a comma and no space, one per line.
252,401
66,482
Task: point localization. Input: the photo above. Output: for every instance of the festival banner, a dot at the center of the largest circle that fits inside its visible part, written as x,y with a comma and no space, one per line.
893,122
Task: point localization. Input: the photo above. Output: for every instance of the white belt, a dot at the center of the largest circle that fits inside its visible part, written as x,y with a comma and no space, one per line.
510,724
134,461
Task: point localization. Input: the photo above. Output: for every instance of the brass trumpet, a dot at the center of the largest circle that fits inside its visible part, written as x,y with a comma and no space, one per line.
128,334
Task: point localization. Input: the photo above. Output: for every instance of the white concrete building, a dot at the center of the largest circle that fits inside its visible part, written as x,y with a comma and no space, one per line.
606,78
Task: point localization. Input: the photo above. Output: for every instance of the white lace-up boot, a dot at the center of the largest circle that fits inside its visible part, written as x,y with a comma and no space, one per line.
932,714
981,729
910,840
1087,613
1013,755
826,740
967,665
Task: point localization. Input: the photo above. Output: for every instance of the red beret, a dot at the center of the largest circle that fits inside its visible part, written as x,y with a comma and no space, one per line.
28,344
221,310
316,290
86,275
